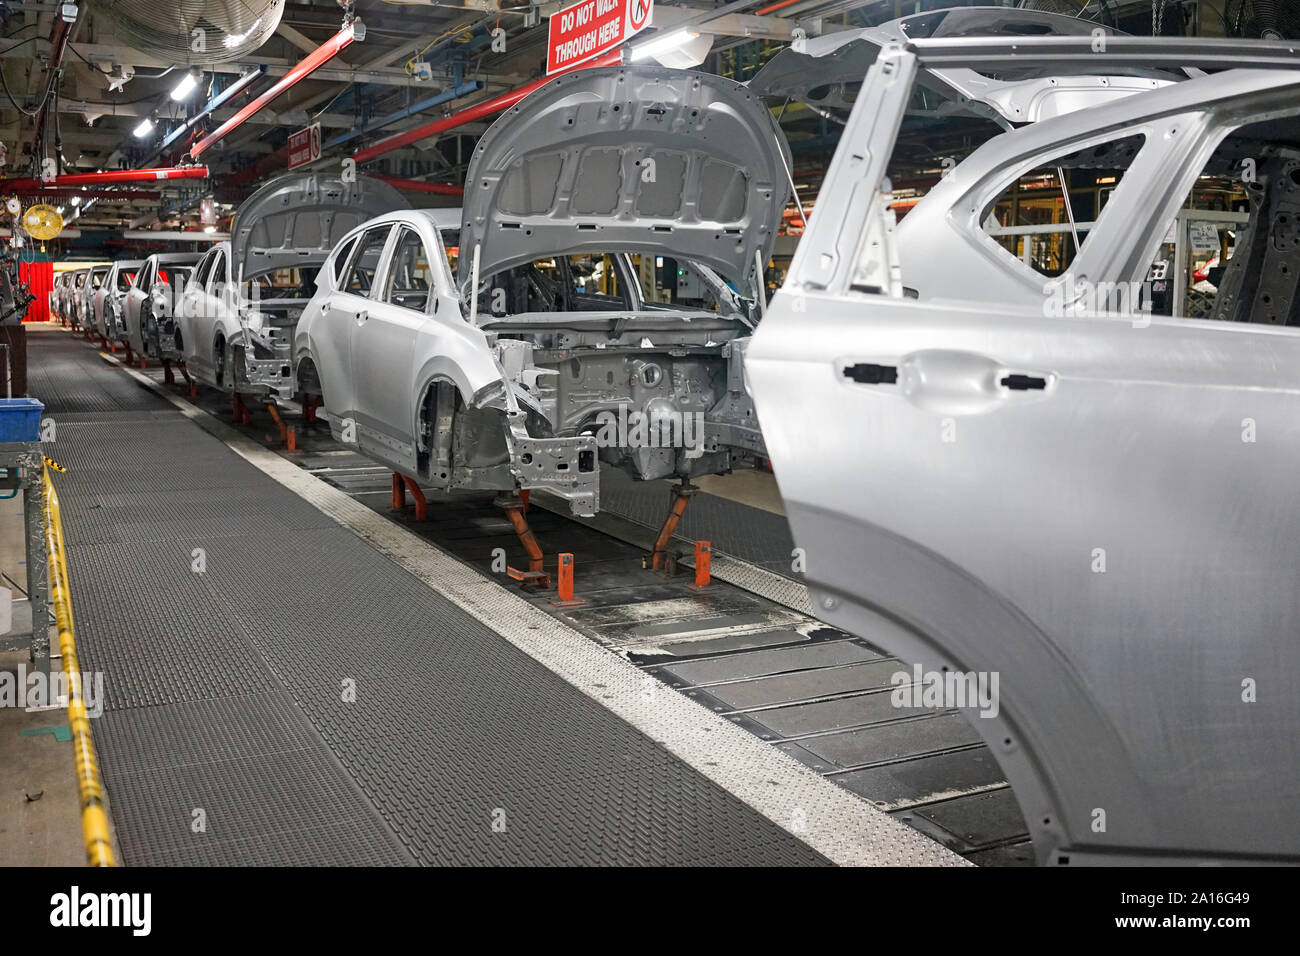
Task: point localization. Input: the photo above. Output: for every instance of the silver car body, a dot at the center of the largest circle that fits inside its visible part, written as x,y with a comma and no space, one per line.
56,295
106,303
1074,502
654,161
71,293
85,301
236,339
149,304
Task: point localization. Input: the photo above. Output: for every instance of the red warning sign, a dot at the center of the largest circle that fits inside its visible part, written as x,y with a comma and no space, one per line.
304,146
588,28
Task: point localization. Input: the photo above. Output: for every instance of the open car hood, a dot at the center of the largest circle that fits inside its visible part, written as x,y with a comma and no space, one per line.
628,159
296,220
829,70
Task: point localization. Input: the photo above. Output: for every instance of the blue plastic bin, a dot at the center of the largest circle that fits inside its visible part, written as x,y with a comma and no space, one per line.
20,419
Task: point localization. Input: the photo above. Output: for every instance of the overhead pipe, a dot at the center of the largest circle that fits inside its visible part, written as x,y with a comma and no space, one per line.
455,93
210,107
67,193
476,111
6,232
111,176
58,49
420,186
173,236
356,30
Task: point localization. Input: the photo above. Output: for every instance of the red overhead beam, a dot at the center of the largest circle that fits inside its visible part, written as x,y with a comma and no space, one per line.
475,111
331,48
420,186
102,179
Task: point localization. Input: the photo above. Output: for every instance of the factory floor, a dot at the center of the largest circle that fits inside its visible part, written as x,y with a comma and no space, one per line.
293,678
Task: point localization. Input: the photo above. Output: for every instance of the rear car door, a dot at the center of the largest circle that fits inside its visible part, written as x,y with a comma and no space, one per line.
1084,505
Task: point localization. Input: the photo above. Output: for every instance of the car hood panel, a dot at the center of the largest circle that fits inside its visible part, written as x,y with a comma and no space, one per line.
645,159
296,220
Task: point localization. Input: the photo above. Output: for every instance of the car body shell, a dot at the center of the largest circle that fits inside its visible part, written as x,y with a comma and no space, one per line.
150,304
441,389
106,303
238,344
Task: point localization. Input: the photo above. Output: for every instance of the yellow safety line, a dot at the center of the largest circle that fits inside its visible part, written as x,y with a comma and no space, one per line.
94,821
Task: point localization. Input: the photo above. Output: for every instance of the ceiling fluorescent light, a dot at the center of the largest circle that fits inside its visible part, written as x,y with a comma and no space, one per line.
144,129
188,84
662,43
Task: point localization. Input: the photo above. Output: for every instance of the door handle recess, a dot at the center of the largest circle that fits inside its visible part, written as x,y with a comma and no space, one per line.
864,373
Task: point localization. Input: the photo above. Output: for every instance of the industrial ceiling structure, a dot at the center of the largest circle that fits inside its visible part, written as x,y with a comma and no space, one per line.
402,88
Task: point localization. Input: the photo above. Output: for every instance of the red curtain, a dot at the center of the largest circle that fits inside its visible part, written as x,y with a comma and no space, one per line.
39,277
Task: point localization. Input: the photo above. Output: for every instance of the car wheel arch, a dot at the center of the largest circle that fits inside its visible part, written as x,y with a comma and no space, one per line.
1052,740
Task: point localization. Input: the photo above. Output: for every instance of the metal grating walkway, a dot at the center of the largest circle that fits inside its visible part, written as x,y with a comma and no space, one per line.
226,738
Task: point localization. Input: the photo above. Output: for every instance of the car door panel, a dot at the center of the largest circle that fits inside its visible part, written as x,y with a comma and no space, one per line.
347,305
383,339
1082,505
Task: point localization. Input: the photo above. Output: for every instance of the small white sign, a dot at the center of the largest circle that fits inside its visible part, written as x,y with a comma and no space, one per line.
1203,237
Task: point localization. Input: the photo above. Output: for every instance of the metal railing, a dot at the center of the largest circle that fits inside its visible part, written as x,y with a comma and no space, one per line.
94,820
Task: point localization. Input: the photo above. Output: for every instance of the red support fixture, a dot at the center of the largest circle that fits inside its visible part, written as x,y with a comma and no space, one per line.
331,48
111,176
421,506
660,559
399,492
535,576
703,566
475,111
564,588
420,186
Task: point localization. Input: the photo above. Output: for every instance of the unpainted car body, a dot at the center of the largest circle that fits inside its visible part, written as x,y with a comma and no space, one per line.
56,296
1072,501
150,303
237,316
612,161
85,300
74,282
106,305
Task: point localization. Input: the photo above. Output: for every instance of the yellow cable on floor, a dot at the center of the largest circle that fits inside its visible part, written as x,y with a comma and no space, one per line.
94,821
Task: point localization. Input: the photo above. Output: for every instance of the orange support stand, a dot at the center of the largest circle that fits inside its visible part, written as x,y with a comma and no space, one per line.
193,385
703,566
309,406
536,575
401,485
421,506
682,494
564,596
242,415
287,434
169,377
